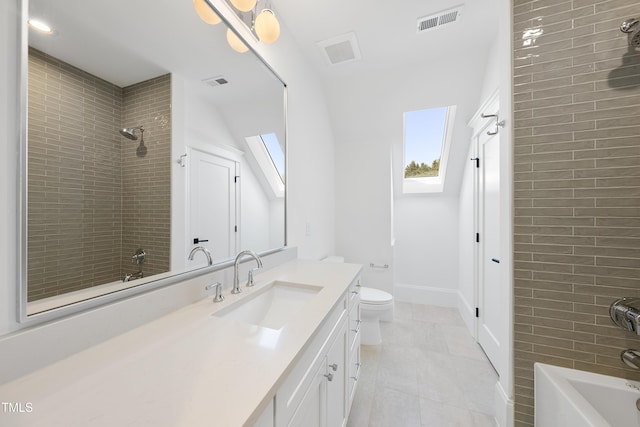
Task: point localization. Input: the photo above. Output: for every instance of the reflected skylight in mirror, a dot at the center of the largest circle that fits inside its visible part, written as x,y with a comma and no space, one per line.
269,156
271,143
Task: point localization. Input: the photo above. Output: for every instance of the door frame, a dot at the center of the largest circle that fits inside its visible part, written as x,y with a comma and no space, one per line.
480,126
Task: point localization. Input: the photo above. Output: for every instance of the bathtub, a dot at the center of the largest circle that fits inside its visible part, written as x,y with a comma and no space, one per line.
572,398
50,303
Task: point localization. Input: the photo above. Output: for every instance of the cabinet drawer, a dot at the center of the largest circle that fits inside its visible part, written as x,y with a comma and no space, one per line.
354,325
354,292
295,386
354,372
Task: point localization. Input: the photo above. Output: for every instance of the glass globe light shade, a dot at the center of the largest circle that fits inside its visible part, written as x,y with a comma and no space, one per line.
205,13
244,5
235,42
267,26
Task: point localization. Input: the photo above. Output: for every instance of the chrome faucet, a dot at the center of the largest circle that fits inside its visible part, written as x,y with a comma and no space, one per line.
203,249
631,358
625,312
236,281
218,287
132,276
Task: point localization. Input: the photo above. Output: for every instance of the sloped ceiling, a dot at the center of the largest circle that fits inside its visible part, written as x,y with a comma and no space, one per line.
386,31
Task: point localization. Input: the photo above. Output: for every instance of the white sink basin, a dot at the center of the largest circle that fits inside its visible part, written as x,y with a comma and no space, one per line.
272,306
572,398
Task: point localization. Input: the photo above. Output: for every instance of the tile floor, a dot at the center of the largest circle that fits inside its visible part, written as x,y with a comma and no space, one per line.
428,372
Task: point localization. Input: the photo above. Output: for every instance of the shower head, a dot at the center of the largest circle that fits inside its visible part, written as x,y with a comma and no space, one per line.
130,132
631,27
634,38
627,26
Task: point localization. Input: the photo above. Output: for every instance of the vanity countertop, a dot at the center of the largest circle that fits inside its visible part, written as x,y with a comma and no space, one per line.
188,368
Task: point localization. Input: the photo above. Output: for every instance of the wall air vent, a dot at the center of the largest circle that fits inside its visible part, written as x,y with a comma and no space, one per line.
340,49
215,81
439,19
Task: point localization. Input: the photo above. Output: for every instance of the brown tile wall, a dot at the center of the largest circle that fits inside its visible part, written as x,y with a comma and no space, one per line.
76,179
146,179
576,189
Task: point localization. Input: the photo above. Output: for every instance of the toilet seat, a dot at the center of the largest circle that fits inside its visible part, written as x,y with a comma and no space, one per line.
371,296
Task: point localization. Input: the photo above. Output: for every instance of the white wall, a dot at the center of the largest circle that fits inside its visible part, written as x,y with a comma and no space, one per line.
205,127
367,113
310,198
427,249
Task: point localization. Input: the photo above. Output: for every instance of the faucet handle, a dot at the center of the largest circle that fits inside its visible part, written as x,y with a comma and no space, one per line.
250,277
218,286
625,312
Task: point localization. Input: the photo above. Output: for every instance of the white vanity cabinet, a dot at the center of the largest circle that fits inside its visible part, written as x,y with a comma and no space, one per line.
266,418
319,389
353,343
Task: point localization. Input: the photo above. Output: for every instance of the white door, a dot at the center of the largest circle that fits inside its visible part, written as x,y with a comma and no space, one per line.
212,204
491,307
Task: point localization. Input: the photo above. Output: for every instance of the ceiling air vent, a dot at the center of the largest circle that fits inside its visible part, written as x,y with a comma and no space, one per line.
215,81
340,49
439,19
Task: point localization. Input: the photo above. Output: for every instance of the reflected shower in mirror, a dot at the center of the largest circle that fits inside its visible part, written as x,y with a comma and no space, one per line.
141,147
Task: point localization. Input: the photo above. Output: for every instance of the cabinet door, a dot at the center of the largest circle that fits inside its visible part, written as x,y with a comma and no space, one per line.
337,382
266,418
312,409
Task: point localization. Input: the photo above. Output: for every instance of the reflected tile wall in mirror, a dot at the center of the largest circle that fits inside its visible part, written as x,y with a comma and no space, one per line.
86,194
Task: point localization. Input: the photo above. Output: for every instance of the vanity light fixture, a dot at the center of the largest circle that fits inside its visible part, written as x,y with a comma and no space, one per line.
255,14
206,13
267,26
235,42
41,26
244,5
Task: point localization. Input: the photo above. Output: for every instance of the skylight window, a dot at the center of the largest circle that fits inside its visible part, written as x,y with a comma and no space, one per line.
426,146
269,155
276,154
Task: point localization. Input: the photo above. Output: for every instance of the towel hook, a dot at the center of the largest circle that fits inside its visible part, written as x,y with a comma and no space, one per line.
499,123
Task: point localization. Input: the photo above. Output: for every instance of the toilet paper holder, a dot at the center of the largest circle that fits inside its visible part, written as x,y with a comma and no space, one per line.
372,265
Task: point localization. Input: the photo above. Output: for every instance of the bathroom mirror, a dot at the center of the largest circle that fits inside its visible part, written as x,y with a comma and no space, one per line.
146,135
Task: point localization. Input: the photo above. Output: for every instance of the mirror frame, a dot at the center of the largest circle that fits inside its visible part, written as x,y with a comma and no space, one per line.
66,310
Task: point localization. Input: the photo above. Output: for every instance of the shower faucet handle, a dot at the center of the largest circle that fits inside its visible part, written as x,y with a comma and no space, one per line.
625,312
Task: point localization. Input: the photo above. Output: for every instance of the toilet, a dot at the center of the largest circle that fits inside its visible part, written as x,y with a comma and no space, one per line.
375,306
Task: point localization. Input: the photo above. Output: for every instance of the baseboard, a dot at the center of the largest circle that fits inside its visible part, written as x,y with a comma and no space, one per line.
426,295
468,314
504,407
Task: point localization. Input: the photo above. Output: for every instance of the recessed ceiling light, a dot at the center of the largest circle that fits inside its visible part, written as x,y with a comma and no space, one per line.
40,26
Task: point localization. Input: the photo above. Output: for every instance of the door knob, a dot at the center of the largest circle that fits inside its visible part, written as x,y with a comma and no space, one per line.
196,240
